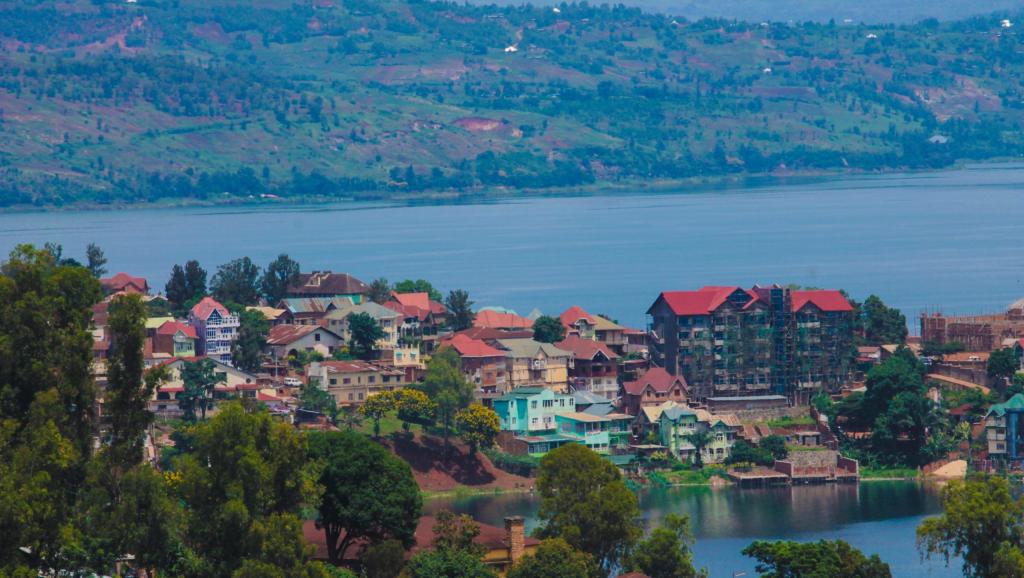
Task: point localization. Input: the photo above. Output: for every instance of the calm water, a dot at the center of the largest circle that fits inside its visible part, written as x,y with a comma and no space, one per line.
877,517
945,239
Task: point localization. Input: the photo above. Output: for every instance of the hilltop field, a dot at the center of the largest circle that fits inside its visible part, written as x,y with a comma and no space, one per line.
183,101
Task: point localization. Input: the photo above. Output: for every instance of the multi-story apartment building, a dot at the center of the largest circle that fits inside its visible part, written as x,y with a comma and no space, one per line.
1003,429
216,329
593,367
733,341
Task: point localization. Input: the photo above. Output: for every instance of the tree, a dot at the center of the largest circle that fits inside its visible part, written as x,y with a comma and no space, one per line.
95,260
445,385
247,350
454,554
380,291
461,309
555,558
980,517
896,406
1003,363
699,440
199,379
176,289
376,407
237,281
277,550
195,280
127,393
280,274
822,559
241,473
548,329
584,501
365,333
384,560
418,286
478,426
743,451
414,407
666,552
883,324
370,495
313,398
775,445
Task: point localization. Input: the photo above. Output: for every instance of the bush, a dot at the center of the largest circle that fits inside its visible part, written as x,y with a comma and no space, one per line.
524,465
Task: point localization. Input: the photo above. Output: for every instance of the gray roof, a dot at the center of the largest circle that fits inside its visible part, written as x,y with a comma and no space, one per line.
375,310
749,398
529,348
314,304
589,397
674,413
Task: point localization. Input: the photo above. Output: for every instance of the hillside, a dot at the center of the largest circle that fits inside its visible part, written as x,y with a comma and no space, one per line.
178,99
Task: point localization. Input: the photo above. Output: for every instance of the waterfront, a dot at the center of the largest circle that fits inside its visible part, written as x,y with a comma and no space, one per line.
948,239
878,517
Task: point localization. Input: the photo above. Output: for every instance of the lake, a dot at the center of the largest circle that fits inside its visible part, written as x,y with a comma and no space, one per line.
949,240
877,517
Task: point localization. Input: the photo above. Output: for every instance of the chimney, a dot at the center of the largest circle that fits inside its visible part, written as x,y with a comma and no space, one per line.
515,535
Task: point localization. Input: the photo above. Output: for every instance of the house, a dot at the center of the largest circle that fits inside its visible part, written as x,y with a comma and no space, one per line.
216,329
578,321
653,388
1004,430
124,283
734,341
273,315
482,364
337,321
534,363
531,410
678,423
593,367
587,402
353,382
326,284
233,382
433,311
311,310
492,319
601,434
648,419
285,340
176,339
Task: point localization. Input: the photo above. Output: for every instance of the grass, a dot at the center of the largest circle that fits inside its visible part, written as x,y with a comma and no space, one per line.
869,473
701,477
791,421
388,425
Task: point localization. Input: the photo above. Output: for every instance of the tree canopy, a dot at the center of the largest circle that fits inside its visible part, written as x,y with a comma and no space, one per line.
822,559
461,309
548,329
237,281
555,558
279,275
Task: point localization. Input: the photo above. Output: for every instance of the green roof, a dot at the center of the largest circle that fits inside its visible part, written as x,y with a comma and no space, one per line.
1014,403
522,393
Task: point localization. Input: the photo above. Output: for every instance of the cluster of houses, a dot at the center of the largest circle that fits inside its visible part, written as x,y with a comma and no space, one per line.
707,356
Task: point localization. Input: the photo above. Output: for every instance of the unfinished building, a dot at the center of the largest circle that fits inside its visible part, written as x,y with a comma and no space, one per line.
975,332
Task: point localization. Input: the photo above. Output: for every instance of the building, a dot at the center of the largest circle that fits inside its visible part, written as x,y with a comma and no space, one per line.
534,363
1004,431
326,284
273,315
593,367
653,388
285,340
587,402
733,341
176,339
124,283
232,382
353,382
432,314
531,410
492,319
216,329
482,365
975,332
311,310
337,321
578,321
679,422
602,434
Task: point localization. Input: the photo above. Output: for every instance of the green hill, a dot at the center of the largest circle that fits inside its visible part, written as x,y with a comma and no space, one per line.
181,99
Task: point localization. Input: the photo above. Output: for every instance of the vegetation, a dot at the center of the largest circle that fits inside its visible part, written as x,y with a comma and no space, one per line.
247,349
555,558
1003,363
548,329
199,378
478,426
882,324
418,286
455,555
281,272
461,309
116,102
237,282
365,333
822,559
447,388
665,553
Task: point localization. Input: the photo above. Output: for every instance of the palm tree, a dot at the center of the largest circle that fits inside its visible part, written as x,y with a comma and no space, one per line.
699,440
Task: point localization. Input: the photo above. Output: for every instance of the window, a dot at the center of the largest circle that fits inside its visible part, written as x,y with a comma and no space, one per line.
371,379
347,381
360,396
549,403
334,381
316,337
350,397
533,404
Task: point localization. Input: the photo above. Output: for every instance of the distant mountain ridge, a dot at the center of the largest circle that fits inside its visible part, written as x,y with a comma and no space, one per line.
170,100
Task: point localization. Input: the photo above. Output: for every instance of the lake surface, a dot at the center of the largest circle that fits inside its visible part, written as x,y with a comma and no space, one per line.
950,240
877,517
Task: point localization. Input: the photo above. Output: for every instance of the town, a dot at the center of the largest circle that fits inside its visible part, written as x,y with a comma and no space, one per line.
748,386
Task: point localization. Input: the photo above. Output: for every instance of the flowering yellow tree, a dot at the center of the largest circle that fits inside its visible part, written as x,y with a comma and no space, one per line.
478,426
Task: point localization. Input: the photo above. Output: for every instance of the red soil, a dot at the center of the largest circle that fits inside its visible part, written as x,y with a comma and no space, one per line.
435,474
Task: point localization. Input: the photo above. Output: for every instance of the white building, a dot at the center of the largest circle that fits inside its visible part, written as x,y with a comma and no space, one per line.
216,329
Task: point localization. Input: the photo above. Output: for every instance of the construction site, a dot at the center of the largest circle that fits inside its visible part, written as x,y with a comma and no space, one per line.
985,332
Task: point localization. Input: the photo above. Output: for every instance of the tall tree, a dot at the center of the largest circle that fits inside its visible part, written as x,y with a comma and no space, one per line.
127,394
247,350
822,559
418,286
555,558
199,379
548,329
376,407
380,290
455,555
370,495
584,501
478,426
176,289
666,552
461,309
446,386
982,522
237,281
699,440
883,324
384,560
95,260
280,274
313,398
195,280
1003,363
365,332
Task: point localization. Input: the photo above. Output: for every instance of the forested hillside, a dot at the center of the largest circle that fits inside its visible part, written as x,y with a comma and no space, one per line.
170,99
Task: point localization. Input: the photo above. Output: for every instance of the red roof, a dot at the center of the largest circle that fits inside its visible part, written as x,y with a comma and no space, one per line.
121,280
260,396
701,302
173,327
418,300
356,367
489,333
573,314
496,319
469,347
585,348
824,299
206,307
656,377
285,334
327,283
408,310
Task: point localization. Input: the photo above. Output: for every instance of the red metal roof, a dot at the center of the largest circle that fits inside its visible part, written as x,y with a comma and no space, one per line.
701,302
496,319
357,367
573,314
824,299
469,347
285,334
656,377
488,333
173,327
585,348
207,306
407,310
121,280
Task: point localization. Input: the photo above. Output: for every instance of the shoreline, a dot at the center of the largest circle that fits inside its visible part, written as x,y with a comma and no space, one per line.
492,195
